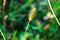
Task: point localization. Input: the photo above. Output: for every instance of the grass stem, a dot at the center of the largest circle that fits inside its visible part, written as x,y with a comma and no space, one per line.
53,12
2,34
27,27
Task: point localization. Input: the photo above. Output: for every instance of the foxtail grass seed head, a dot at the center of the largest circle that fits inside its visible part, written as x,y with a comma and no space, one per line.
32,14
4,3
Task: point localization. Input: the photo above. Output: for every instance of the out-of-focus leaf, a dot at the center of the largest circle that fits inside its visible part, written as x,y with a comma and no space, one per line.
14,35
1,27
25,36
15,16
37,37
53,29
55,4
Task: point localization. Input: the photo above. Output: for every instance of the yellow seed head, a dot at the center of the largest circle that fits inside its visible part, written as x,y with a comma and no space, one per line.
32,14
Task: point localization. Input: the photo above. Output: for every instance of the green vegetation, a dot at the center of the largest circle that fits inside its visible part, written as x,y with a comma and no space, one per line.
29,19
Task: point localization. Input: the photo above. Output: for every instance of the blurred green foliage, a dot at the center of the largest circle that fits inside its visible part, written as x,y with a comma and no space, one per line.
43,27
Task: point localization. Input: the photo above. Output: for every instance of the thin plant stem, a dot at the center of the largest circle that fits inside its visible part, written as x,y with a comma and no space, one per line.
2,34
4,3
53,12
27,27
4,21
3,16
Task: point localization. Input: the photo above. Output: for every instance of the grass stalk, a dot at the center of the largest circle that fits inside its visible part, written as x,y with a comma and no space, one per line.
27,27
53,12
4,21
2,34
